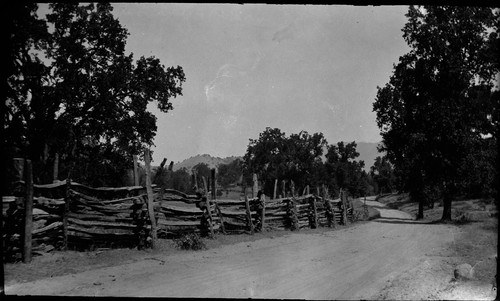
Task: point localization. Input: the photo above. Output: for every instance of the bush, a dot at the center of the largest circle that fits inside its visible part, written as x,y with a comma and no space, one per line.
191,241
462,217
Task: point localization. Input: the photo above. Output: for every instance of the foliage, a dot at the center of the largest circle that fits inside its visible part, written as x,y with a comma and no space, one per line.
299,158
75,92
437,107
344,171
229,173
181,181
190,241
202,170
275,156
382,173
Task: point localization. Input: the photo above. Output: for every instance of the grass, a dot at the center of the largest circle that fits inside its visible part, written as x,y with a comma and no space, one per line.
359,211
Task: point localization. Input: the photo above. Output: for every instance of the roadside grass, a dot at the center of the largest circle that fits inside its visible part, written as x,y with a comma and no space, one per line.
361,214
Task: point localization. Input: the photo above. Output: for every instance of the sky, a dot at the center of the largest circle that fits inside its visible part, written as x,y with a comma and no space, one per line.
295,67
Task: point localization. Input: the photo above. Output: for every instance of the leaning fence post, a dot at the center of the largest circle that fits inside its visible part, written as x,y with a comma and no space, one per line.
249,214
219,213
28,211
209,210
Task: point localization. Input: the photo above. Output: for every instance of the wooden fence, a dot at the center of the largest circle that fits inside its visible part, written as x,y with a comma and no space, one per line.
76,216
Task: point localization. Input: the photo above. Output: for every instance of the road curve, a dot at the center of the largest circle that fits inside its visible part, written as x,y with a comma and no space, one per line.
356,262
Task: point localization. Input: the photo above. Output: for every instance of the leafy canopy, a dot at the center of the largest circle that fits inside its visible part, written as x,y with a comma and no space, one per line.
74,91
437,107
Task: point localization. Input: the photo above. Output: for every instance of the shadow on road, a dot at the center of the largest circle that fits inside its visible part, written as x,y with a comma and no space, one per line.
393,220
379,207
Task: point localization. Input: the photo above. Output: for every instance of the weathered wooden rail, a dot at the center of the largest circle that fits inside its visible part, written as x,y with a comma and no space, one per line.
82,217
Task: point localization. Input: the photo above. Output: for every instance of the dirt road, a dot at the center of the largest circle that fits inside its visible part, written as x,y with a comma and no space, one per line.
358,262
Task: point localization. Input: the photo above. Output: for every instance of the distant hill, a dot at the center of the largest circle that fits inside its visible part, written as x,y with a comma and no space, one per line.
212,162
367,152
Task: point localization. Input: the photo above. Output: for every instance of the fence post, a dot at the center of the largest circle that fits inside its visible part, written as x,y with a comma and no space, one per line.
219,213
249,214
275,188
292,215
314,212
55,172
28,211
136,172
65,213
263,212
209,210
344,207
255,187
194,179
212,175
283,189
292,188
147,159
330,214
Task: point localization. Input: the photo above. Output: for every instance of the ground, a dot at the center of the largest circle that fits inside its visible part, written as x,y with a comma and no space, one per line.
392,257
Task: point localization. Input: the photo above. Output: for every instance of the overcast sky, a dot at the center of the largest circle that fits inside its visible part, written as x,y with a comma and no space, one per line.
248,67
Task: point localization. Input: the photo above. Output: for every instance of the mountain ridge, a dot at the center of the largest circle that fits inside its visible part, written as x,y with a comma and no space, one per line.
367,152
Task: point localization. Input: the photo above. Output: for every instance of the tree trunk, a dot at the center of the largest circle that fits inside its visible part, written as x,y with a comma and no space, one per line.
416,190
420,214
28,211
447,206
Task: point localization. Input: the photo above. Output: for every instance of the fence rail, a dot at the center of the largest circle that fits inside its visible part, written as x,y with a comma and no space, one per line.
110,217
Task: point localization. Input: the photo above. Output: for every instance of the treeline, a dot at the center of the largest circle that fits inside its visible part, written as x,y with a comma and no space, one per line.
301,160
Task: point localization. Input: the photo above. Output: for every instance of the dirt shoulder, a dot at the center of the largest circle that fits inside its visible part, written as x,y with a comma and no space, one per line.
475,242
362,261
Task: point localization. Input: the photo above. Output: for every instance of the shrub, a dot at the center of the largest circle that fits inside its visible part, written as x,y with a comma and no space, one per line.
191,241
462,217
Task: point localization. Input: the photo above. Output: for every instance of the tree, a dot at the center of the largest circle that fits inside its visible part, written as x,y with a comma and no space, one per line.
202,170
437,107
275,156
24,109
383,173
181,180
266,157
229,173
91,98
343,170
